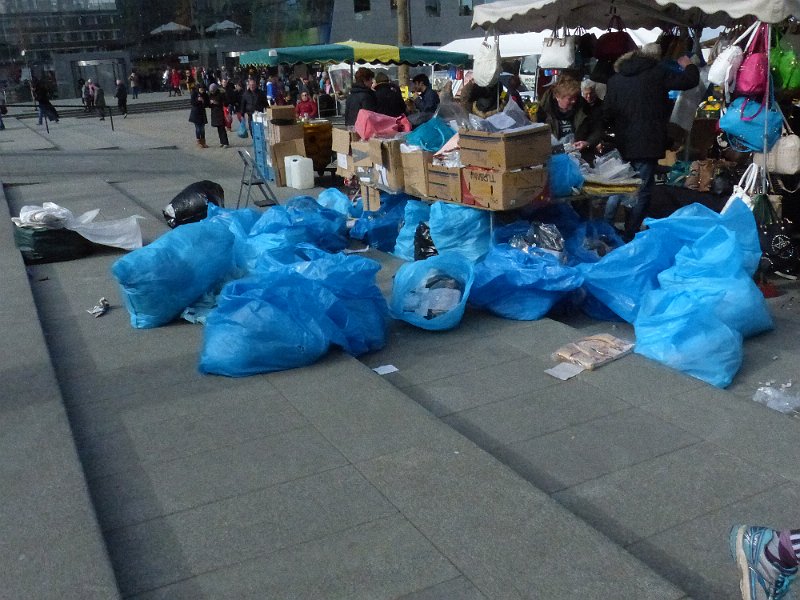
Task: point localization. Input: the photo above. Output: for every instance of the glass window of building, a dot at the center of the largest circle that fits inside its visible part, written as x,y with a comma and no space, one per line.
433,8
361,6
465,7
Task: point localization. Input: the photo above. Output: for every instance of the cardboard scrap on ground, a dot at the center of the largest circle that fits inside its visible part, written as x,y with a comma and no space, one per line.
593,351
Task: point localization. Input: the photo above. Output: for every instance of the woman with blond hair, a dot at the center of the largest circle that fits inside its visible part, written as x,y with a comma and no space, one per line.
564,109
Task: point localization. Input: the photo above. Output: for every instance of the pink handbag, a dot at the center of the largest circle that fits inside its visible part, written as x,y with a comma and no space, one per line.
371,124
753,74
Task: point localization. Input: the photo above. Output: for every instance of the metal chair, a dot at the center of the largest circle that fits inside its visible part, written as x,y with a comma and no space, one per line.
251,177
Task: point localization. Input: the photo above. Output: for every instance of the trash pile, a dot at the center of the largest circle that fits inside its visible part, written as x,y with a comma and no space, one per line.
277,289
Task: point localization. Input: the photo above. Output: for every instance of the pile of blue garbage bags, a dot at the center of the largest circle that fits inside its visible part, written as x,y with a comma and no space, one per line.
284,290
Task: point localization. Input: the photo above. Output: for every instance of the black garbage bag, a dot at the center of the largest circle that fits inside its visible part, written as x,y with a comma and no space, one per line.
191,204
423,243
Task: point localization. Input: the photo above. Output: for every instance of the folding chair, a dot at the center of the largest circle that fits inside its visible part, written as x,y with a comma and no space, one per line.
251,177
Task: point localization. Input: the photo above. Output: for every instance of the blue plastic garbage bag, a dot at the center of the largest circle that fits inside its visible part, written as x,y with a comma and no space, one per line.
560,214
621,278
564,173
431,135
521,285
336,200
460,229
161,279
321,226
691,222
504,234
590,241
271,247
264,323
415,213
379,229
240,221
432,293
679,329
360,315
713,265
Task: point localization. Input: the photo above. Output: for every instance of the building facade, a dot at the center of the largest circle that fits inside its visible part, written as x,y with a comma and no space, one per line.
433,22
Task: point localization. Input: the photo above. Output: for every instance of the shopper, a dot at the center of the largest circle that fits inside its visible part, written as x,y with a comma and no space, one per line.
388,97
133,78
427,100
121,94
216,103
767,560
636,107
100,100
197,114
361,95
253,100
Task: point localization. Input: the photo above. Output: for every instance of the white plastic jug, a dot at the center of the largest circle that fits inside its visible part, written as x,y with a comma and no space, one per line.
299,172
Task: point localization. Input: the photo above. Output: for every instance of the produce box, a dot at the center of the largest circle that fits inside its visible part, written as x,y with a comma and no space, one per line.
344,165
387,167
280,151
371,197
342,139
505,150
415,172
502,190
281,112
284,133
444,183
361,154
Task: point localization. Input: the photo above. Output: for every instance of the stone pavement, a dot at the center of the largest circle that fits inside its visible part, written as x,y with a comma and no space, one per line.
468,473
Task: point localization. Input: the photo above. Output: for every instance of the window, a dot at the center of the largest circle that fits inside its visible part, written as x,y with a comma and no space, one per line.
361,6
392,4
432,8
465,7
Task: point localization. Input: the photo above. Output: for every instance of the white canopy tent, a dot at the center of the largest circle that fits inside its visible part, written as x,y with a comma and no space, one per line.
225,25
523,44
171,27
509,16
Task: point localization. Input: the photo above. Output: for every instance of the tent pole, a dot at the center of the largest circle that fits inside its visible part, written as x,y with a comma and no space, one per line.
770,95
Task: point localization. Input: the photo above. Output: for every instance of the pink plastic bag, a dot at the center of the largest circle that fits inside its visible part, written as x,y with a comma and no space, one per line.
371,124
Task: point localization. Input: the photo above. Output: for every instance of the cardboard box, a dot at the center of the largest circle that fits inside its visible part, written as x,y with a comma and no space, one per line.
415,172
281,112
502,190
371,197
360,153
342,139
280,151
344,165
284,133
444,183
387,164
505,150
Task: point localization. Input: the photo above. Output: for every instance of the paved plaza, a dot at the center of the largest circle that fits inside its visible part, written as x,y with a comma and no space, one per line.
467,474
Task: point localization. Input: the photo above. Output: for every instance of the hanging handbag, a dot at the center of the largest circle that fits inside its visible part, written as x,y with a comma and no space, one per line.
743,123
558,52
753,74
613,44
785,65
784,157
486,65
584,49
746,189
723,70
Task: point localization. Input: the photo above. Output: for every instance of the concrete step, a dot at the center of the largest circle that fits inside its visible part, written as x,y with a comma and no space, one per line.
660,463
134,107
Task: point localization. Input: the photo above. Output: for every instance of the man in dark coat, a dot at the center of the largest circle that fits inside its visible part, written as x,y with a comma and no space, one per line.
388,97
427,100
216,102
253,100
121,94
361,96
197,114
637,109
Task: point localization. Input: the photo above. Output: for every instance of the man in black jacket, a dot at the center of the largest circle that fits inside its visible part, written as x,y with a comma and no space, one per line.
361,96
253,100
637,108
388,96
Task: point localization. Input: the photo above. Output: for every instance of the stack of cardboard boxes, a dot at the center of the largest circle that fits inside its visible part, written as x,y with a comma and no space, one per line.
283,137
503,170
